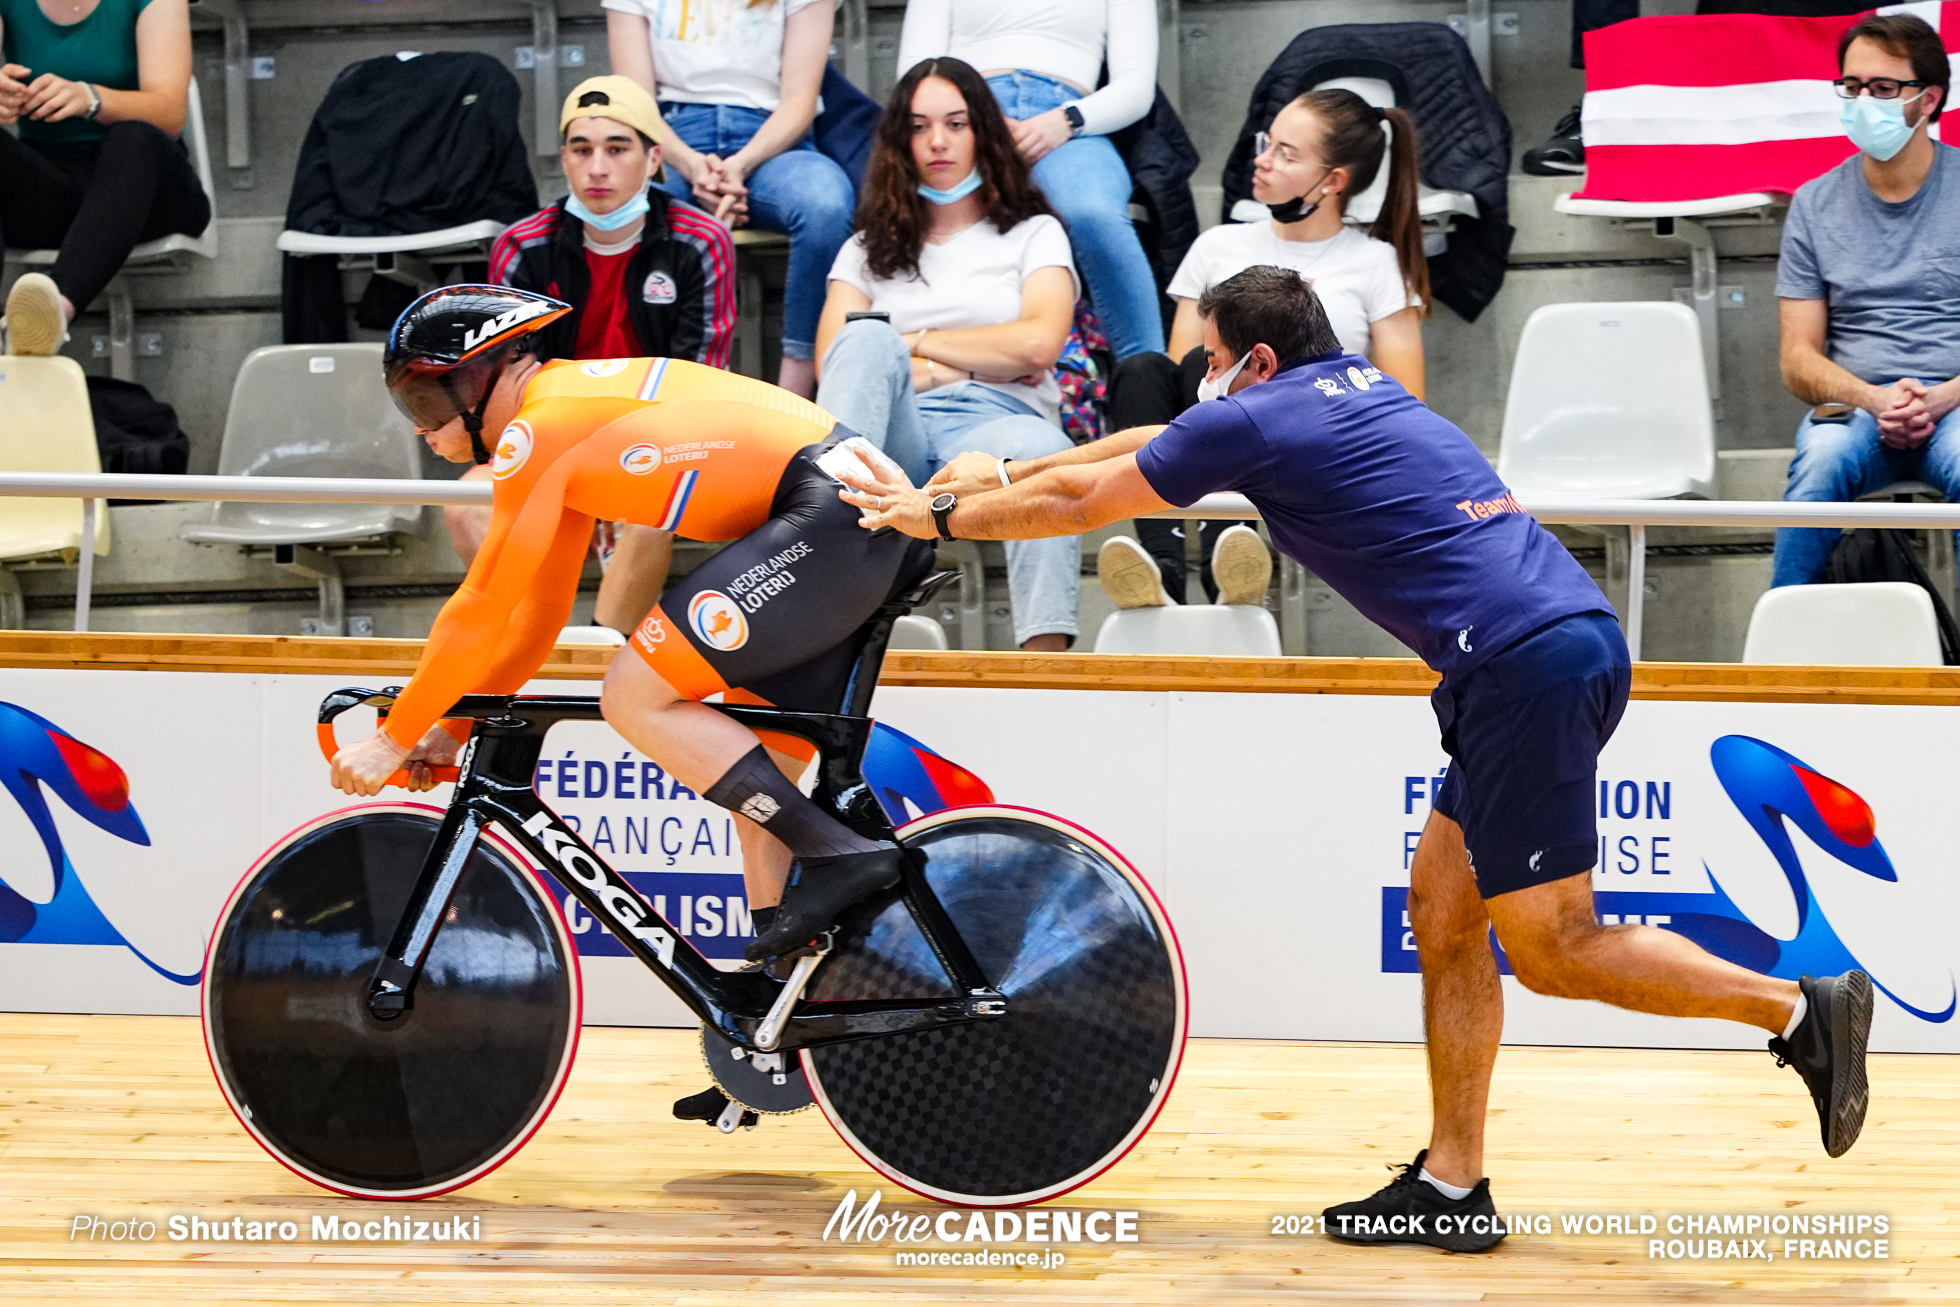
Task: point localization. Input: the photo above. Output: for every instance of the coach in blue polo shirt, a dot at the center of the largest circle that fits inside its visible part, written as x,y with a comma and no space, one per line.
1395,508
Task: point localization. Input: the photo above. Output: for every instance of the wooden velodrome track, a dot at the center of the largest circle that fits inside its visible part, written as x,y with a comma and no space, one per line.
117,1117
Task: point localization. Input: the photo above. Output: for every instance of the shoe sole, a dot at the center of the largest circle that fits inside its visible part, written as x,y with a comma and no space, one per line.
1540,168
1851,1024
1129,575
1449,1243
34,325
1242,568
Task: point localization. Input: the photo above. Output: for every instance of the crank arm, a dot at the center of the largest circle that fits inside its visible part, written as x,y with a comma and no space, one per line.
770,1031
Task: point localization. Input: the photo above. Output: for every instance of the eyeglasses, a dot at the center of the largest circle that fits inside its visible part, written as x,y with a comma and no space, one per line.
1262,143
1881,88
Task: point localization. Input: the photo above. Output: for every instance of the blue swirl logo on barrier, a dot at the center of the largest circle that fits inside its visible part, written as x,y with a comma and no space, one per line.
1769,788
37,758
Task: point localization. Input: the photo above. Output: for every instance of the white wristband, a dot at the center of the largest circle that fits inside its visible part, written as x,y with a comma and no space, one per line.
1001,468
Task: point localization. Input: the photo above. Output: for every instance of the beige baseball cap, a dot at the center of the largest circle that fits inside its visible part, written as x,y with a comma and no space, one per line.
625,101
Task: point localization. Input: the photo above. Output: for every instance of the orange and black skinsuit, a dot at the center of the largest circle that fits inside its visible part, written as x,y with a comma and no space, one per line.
697,451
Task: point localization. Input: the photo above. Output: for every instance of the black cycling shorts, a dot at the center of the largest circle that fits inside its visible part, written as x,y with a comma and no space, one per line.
770,619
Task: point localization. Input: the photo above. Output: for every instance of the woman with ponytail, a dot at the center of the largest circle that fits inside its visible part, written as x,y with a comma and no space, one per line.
1322,149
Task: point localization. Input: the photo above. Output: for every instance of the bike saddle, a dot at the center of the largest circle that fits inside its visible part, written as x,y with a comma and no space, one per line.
906,600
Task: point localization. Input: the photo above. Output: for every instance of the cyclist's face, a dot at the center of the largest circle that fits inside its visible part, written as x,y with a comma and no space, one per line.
450,441
942,134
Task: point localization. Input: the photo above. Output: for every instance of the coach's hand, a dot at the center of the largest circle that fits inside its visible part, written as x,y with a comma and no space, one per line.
362,769
972,473
888,499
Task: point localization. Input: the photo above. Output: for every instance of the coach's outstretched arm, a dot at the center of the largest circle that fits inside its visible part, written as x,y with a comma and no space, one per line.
1079,490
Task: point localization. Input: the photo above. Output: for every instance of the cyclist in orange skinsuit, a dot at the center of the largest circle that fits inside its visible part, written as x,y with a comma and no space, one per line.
670,444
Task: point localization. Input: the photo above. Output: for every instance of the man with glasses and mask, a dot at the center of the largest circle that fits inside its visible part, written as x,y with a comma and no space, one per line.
1868,283
1397,510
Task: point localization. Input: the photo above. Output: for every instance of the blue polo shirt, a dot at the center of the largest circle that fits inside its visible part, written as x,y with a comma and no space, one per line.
1385,501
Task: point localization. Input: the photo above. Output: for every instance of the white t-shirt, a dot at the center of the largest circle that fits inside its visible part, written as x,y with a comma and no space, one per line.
716,51
1357,277
972,280
1069,39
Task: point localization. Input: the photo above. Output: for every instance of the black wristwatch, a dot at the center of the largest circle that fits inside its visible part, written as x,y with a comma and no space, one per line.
1074,115
942,507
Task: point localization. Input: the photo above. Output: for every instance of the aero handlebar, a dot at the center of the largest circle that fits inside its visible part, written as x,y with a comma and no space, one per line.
340,701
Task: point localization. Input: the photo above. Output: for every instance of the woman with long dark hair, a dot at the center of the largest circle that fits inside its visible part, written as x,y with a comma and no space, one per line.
1323,149
1042,60
98,91
958,251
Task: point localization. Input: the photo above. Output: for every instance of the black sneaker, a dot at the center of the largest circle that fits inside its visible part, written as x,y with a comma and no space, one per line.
1562,154
819,889
707,1106
1828,1051
1412,1210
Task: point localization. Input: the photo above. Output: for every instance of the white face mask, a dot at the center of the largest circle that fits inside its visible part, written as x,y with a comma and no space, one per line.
1210,389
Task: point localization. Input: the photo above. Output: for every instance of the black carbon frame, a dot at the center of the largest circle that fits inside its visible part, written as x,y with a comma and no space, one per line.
495,785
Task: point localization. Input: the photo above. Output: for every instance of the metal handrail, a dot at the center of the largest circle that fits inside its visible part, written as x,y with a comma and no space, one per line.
1635,514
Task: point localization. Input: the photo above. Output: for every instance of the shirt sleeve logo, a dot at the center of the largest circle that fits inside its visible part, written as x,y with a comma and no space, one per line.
513,448
659,288
718,620
641,459
603,367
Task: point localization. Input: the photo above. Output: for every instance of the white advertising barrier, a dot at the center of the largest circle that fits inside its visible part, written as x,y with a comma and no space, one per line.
1277,827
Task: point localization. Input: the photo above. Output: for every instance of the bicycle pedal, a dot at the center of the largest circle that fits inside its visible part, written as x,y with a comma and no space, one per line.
735,1115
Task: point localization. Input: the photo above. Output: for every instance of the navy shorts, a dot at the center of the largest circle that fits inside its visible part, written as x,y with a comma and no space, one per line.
1523,732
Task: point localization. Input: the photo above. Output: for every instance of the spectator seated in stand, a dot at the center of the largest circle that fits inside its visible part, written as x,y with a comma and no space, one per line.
647,276
1867,280
97,168
738,83
1323,148
970,274
1041,58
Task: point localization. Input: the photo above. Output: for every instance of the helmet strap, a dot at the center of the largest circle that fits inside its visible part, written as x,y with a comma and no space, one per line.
473,417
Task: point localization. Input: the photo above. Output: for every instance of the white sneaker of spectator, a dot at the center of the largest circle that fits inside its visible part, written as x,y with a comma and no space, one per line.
1241,566
1129,575
35,321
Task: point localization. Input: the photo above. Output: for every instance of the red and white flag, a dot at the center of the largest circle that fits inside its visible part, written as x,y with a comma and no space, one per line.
1694,108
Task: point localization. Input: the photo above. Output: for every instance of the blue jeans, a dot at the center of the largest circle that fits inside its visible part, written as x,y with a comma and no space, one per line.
867,386
1090,188
802,192
1841,461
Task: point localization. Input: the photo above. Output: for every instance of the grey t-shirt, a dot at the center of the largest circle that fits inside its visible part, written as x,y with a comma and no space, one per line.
1890,273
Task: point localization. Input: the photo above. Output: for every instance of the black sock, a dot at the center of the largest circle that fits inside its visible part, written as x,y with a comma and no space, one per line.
758,790
763,918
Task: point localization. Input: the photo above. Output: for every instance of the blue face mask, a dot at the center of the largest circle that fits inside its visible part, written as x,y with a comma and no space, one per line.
960,189
630,212
1878,127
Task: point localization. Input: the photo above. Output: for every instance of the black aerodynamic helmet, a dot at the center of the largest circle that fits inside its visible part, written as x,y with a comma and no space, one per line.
448,348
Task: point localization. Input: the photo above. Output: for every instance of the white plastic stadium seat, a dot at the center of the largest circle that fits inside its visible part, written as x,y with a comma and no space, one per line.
1217,630
914,632
1871,624
1609,401
313,411
46,426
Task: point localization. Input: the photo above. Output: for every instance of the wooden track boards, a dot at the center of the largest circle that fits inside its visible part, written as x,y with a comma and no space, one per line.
614,1201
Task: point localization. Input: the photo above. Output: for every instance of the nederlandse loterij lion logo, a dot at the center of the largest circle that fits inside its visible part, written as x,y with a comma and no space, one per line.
640,459
603,367
718,620
513,448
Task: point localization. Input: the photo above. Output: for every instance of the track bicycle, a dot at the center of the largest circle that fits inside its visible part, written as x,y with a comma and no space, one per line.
392,1001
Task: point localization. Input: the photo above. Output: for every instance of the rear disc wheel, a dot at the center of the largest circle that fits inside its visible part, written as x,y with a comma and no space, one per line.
428,1101
1031,1105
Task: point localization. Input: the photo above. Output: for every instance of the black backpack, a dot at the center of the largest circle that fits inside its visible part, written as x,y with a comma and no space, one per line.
1874,555
135,431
